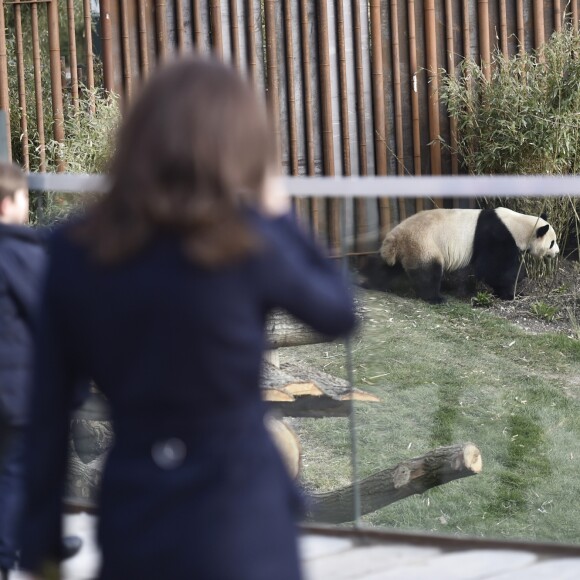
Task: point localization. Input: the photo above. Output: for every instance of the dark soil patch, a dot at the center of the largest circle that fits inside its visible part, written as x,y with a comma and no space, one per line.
549,304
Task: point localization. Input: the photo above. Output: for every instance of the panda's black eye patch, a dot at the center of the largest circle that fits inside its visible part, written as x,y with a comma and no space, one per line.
552,244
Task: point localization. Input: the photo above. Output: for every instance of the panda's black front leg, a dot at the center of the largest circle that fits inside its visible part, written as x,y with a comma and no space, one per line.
426,281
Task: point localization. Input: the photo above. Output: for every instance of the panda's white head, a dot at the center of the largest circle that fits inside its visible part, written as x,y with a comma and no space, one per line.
543,243
531,233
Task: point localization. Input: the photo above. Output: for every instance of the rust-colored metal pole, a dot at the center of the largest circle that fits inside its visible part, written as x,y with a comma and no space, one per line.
451,71
4,97
557,16
503,36
539,34
143,38
161,27
484,46
360,207
521,34
37,67
107,45
251,41
179,26
21,85
379,118
432,71
235,34
72,50
216,27
90,83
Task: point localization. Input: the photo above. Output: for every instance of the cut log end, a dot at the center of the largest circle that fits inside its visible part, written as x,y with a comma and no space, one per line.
277,396
472,458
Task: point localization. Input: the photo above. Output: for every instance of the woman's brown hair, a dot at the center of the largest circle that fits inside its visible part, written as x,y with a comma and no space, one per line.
193,150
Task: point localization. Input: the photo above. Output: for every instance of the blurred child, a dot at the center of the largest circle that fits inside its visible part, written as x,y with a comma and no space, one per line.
161,294
22,262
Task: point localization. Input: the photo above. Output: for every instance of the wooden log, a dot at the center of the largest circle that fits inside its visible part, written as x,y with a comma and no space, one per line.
287,442
385,487
284,330
302,391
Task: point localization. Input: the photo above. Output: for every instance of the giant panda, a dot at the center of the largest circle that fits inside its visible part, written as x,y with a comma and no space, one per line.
432,242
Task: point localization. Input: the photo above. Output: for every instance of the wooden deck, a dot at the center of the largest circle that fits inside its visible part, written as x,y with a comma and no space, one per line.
340,554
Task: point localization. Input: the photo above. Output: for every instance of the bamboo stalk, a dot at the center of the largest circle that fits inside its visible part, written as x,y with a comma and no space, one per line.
272,65
216,27
539,35
292,127
143,40
557,16
107,46
235,34
333,208
360,207
4,97
37,67
308,114
466,30
179,26
126,50
431,60
55,73
251,41
21,85
575,14
197,30
72,50
379,107
414,96
161,28
341,46
484,45
521,34
307,89
503,36
451,70
397,101
90,83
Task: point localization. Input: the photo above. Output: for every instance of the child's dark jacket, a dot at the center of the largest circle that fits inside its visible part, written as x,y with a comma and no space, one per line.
22,261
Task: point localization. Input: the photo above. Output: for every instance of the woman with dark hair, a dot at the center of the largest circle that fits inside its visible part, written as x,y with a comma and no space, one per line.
160,294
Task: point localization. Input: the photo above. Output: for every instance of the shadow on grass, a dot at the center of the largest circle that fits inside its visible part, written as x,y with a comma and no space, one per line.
524,464
445,417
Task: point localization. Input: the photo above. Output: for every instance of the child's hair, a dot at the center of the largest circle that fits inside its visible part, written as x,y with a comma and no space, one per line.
12,179
194,149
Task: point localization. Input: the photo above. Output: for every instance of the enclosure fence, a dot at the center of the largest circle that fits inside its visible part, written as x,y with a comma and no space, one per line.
352,85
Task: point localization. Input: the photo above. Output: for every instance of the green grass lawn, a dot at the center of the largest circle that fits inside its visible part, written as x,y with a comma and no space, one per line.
452,374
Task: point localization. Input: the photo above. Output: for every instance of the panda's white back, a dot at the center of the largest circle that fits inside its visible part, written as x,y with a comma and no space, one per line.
442,235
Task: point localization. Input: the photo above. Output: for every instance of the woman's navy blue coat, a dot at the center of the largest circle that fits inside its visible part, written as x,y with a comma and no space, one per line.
193,487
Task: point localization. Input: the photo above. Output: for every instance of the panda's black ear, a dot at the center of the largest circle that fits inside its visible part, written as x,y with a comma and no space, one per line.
541,232
544,216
